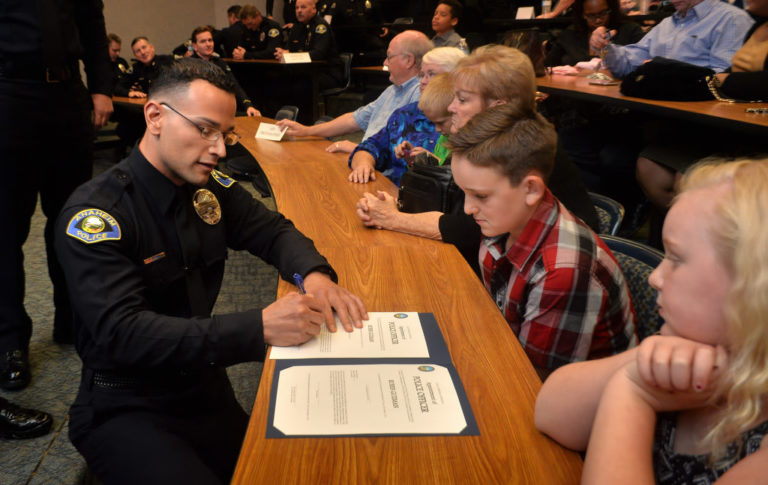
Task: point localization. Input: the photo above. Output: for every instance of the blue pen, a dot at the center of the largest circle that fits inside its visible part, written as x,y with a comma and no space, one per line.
299,283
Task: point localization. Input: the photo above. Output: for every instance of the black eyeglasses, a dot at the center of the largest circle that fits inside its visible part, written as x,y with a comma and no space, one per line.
208,133
599,15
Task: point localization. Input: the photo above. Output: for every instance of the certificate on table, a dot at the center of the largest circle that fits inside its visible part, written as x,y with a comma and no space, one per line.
384,335
382,394
367,399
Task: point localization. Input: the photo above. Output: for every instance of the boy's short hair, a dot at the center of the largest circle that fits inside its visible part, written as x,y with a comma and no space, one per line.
249,11
114,38
178,75
512,139
455,6
234,10
437,95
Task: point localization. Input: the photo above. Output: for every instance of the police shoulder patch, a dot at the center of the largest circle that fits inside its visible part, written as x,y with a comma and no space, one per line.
321,29
93,225
222,179
273,33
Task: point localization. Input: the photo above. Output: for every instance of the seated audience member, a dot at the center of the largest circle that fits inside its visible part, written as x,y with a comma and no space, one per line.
143,248
444,22
253,37
435,105
310,33
233,14
572,44
689,405
556,282
490,76
119,65
407,124
702,32
202,42
404,62
145,69
659,165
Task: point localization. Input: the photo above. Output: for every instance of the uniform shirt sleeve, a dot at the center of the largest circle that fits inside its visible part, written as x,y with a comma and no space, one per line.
93,37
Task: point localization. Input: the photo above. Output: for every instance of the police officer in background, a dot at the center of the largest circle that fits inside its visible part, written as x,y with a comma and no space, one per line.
202,43
253,37
145,69
47,120
120,66
312,34
144,246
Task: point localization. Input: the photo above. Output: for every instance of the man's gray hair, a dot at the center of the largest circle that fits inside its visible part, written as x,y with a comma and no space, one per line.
416,43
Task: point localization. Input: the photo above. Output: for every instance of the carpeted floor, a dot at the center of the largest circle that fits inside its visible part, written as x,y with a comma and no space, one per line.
51,459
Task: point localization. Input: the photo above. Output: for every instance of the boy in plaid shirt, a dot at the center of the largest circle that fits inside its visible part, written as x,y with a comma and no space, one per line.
557,283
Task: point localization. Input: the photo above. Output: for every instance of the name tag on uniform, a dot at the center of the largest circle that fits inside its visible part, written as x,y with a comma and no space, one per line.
296,57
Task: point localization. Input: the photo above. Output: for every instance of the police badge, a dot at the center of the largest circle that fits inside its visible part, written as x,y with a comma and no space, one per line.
207,206
321,29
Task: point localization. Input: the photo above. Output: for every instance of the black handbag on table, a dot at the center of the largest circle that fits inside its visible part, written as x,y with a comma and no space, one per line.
427,188
669,80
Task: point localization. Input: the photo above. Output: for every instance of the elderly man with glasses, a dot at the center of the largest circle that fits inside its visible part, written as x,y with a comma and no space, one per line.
143,248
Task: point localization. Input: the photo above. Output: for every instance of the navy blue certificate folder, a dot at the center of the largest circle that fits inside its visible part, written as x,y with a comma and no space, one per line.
438,355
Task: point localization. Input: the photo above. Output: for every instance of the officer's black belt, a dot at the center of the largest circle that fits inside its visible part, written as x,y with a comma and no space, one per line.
111,380
36,72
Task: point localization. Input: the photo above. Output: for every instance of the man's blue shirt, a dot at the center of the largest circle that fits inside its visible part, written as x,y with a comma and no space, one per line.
373,116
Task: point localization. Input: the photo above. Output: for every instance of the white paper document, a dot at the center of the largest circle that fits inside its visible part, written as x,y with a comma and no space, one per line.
269,131
367,399
384,335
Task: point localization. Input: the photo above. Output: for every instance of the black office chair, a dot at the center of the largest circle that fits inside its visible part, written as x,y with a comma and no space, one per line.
609,212
287,112
403,21
637,262
346,59
241,165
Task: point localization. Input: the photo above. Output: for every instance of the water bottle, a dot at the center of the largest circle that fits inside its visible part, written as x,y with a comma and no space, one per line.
546,6
463,45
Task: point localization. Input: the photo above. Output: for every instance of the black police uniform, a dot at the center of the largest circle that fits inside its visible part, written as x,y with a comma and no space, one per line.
120,68
243,102
46,135
289,10
258,44
357,25
141,76
317,38
155,404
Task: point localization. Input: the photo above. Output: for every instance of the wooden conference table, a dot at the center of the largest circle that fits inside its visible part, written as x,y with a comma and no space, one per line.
397,272
716,113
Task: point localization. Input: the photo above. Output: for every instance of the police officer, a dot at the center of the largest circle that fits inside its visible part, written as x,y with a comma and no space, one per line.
145,69
357,25
46,134
120,66
145,245
312,34
253,37
202,43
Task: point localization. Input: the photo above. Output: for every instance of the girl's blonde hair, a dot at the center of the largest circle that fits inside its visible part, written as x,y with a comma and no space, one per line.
498,72
739,230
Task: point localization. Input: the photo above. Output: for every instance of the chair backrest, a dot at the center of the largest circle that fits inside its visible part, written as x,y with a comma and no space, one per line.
403,21
609,212
346,59
287,112
637,261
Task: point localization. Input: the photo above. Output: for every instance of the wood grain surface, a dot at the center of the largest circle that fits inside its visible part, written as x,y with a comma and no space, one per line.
396,272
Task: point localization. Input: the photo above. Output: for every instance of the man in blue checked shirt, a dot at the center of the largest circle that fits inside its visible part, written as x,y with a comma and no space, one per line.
702,32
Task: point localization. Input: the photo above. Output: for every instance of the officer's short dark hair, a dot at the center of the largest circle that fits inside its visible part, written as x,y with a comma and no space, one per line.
114,38
141,37
199,30
249,11
180,73
234,10
455,6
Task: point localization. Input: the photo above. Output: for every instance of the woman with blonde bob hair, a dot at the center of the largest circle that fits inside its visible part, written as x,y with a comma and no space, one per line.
692,401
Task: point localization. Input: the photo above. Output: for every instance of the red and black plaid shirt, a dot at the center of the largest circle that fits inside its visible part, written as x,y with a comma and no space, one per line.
560,289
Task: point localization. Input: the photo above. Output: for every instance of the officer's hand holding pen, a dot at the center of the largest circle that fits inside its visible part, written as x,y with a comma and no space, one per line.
292,319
